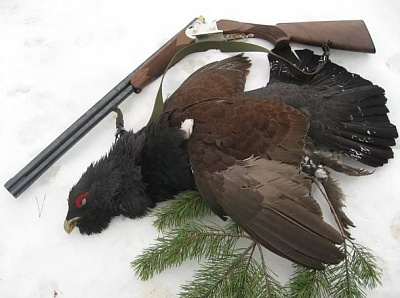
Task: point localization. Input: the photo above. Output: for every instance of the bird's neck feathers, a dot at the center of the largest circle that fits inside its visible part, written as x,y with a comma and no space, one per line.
164,160
119,168
155,159
128,148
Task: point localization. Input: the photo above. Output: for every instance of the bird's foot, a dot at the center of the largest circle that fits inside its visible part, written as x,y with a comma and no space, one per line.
348,170
119,123
308,166
321,174
317,171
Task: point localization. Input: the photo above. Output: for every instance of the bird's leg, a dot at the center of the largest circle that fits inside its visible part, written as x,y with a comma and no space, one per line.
334,162
331,190
319,172
119,123
338,166
308,166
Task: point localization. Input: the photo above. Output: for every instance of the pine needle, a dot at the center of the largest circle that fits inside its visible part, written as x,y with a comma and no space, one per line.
359,271
232,275
191,241
309,283
350,278
365,267
184,207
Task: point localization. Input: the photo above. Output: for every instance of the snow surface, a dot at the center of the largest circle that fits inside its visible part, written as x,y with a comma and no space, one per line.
58,57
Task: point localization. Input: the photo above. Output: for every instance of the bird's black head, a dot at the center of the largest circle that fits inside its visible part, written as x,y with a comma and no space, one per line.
91,201
110,187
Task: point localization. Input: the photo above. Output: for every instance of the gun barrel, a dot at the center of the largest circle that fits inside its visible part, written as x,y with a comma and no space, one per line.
34,169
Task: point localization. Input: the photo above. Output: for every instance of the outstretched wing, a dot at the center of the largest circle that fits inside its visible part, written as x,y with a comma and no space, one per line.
215,80
266,196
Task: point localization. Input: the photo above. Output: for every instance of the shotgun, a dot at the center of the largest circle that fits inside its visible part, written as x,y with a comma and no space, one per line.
343,35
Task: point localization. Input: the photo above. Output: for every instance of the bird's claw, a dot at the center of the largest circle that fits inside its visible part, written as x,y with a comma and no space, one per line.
119,123
309,167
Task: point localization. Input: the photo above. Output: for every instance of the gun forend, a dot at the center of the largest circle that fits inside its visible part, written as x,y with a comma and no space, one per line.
156,64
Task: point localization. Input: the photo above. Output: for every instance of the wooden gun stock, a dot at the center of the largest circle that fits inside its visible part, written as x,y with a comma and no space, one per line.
343,35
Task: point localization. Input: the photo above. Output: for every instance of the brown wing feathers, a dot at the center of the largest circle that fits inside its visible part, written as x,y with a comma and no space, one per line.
264,197
215,80
269,199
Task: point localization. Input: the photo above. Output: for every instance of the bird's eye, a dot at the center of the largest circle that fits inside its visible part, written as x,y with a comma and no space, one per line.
80,200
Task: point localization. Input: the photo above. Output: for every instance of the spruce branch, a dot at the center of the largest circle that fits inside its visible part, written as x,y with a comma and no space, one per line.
186,206
223,279
233,275
359,271
227,271
309,283
364,265
191,241
271,285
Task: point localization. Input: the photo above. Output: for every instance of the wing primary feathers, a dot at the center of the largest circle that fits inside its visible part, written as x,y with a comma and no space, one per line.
298,239
303,219
265,198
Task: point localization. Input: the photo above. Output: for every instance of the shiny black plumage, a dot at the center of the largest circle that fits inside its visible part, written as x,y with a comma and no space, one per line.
139,170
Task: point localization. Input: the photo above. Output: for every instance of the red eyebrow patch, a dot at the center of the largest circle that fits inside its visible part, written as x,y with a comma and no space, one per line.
79,199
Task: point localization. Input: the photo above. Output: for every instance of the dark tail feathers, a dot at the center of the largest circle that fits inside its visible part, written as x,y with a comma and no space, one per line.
352,118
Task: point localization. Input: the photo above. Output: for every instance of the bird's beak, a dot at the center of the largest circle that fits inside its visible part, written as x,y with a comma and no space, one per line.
69,225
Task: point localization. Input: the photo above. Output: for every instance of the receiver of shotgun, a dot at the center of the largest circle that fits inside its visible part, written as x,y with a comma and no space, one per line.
344,35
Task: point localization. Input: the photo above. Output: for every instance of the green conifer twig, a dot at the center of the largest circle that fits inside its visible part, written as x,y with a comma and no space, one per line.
365,266
232,266
264,266
186,206
230,272
233,275
191,241
309,283
361,272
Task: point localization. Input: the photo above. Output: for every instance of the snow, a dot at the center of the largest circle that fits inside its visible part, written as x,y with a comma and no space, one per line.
58,58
